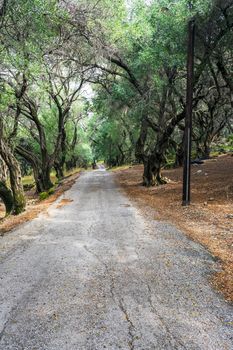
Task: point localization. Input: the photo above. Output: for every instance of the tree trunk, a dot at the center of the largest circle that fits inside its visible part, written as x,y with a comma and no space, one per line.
199,152
152,172
15,177
59,170
63,153
180,154
5,192
152,163
203,151
206,151
44,177
148,174
17,187
42,180
72,163
59,163
41,171
3,170
7,198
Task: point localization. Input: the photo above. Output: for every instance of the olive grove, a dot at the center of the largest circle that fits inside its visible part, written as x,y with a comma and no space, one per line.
83,81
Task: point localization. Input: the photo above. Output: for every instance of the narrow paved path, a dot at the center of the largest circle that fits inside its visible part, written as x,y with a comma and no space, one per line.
94,274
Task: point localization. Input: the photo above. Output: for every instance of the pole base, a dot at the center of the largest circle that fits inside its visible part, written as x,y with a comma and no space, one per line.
185,203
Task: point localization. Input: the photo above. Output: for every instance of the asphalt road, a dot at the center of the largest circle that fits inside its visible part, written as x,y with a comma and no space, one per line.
95,274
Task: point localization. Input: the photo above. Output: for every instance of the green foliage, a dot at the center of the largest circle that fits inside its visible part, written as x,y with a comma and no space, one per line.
230,141
43,195
135,54
51,191
224,145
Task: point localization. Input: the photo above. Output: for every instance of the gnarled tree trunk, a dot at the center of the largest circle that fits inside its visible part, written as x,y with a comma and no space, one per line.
7,198
42,177
152,171
41,170
15,177
5,192
59,163
179,161
59,170
152,162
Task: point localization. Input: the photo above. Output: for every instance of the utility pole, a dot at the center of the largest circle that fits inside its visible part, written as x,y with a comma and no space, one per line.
189,112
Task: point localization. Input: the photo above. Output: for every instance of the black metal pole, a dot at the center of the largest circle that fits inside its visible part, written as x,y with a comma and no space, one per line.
189,111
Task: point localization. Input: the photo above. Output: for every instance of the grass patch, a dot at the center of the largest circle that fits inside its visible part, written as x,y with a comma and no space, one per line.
28,181
43,196
51,191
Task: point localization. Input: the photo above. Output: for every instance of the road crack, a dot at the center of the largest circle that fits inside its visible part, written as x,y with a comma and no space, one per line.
117,301
163,323
131,326
4,328
171,336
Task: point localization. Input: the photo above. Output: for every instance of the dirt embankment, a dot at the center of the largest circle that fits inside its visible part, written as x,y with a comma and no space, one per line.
35,206
208,220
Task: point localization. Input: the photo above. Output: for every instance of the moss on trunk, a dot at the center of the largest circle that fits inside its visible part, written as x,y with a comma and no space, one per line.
7,198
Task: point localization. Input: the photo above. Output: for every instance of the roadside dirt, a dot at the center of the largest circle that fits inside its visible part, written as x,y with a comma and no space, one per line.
64,202
35,206
208,220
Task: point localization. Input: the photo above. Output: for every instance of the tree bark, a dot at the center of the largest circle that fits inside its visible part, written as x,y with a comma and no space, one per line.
59,163
152,172
5,192
42,177
15,177
180,154
7,198
59,169
207,150
148,174
41,171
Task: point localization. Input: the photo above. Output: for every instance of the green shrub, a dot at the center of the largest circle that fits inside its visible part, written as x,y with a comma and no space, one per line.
51,191
44,195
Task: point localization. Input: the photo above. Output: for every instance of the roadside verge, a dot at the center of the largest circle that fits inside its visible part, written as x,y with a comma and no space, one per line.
208,220
36,206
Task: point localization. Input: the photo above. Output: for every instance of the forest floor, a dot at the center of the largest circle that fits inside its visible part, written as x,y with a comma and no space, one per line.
34,205
208,220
